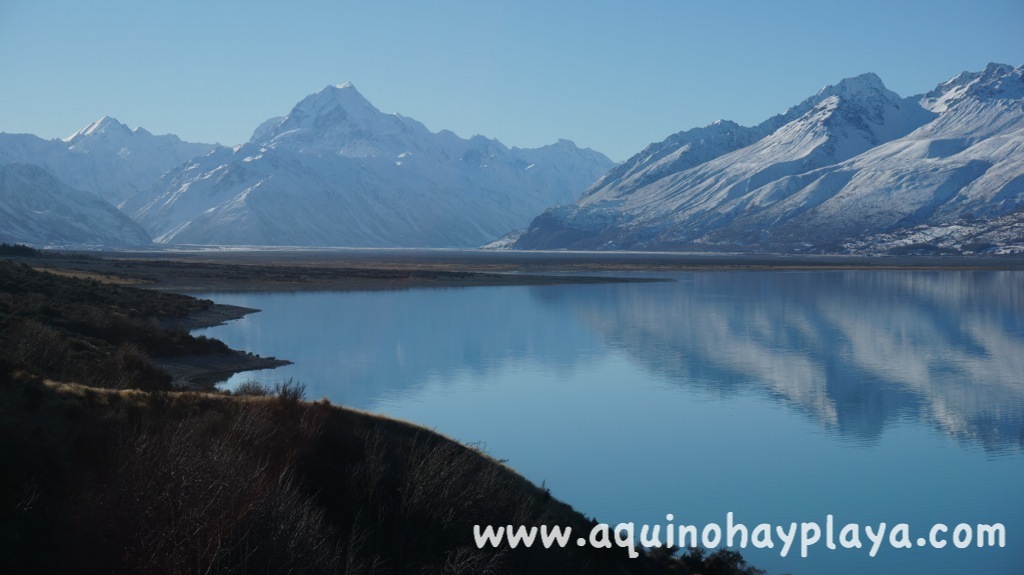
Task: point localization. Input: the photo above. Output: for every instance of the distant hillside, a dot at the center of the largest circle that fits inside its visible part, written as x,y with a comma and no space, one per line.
36,208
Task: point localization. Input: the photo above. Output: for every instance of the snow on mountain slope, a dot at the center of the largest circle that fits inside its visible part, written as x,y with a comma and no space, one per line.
39,209
339,120
105,158
338,172
854,160
1000,235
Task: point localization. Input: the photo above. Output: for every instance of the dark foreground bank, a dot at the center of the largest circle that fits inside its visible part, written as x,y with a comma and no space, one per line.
106,481
107,335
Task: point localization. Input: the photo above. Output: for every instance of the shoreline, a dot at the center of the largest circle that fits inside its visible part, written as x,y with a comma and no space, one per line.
203,372
266,272
370,270
217,314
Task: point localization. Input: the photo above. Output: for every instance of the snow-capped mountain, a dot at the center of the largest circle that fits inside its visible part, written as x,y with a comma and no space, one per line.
338,172
105,158
854,161
36,208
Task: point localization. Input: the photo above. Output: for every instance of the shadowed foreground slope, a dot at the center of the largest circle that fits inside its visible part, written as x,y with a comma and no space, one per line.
97,480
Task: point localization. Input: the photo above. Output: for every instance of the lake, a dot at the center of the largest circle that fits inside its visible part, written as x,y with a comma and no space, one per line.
779,396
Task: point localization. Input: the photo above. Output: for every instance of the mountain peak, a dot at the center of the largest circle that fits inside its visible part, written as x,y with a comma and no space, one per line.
861,87
330,115
330,104
996,81
105,125
1001,81
339,120
343,93
859,91
995,68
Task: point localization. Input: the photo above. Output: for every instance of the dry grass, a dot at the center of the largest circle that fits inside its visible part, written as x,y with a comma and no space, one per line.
156,482
94,276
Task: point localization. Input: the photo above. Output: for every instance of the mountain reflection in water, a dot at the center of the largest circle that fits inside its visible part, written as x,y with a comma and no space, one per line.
856,349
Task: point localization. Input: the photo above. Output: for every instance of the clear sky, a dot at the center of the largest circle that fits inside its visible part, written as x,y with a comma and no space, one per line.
613,76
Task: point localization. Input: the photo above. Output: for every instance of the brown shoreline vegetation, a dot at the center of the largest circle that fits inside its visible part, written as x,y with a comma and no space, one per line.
345,270
272,273
109,335
120,472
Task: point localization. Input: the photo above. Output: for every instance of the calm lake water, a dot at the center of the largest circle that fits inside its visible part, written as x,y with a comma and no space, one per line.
893,396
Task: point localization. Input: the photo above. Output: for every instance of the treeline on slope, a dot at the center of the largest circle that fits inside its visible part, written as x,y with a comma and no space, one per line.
104,481
92,333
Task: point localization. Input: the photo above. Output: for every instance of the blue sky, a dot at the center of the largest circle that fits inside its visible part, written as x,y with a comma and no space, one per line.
613,76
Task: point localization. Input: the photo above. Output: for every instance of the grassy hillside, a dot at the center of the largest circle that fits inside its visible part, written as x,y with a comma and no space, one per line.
128,481
93,333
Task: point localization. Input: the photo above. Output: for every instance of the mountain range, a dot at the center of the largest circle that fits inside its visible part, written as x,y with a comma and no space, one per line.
335,171
338,172
105,158
854,168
